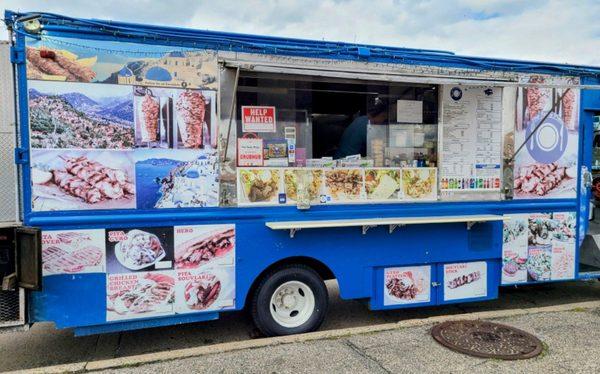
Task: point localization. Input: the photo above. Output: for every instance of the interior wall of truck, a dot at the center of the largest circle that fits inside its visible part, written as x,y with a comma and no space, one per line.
335,117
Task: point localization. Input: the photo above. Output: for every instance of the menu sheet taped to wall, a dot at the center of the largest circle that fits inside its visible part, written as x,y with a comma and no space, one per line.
471,138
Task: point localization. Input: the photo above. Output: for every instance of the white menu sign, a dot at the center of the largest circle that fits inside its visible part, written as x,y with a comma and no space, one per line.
409,111
471,137
465,280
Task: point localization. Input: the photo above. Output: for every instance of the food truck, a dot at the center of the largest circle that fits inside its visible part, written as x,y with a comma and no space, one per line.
169,175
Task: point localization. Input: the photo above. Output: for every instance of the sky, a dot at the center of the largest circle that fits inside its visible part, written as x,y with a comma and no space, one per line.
562,31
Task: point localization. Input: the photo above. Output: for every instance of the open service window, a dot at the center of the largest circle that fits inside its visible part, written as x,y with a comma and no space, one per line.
305,140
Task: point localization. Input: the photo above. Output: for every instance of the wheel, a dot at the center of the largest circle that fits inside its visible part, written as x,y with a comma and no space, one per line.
290,300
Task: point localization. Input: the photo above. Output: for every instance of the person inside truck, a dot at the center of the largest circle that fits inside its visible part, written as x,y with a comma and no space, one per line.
354,138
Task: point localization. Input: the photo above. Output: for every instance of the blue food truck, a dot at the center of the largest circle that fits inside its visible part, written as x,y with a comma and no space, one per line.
168,175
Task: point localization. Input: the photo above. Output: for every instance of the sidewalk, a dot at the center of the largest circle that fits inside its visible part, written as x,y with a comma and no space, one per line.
44,346
571,341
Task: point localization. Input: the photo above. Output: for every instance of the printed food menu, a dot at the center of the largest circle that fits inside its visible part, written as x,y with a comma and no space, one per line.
465,280
407,285
539,247
155,271
144,103
73,252
204,262
547,167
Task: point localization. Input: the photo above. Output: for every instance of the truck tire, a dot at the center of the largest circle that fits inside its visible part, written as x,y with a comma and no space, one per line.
290,300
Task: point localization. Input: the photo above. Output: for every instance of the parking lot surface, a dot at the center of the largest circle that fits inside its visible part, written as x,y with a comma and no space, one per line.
43,346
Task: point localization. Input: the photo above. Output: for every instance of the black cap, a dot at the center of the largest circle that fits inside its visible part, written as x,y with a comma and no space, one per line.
377,106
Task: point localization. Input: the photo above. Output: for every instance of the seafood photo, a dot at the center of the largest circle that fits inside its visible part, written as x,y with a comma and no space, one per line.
344,184
419,183
382,184
204,248
513,230
539,246
512,265
539,262
258,185
77,180
129,296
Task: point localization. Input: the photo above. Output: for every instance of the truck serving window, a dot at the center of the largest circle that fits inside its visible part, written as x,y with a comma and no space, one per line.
334,140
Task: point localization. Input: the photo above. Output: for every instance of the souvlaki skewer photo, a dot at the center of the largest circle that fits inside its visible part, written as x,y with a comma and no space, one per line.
82,180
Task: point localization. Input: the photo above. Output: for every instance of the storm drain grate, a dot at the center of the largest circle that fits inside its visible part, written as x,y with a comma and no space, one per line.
487,340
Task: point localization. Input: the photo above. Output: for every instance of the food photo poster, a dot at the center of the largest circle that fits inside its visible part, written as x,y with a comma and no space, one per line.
539,247
407,285
155,271
89,141
548,118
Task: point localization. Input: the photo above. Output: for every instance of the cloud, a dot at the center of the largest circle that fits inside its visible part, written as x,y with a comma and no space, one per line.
544,30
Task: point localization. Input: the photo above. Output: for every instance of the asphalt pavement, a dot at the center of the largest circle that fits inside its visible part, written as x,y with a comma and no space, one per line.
570,340
43,346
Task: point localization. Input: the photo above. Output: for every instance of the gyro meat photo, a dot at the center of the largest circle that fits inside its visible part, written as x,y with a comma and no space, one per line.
130,250
200,245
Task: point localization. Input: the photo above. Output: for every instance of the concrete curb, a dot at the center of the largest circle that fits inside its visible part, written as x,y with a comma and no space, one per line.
318,335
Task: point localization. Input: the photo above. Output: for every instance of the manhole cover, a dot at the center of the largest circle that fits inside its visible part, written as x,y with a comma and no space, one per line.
487,339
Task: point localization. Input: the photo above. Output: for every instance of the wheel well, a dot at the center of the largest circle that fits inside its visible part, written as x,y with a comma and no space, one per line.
321,269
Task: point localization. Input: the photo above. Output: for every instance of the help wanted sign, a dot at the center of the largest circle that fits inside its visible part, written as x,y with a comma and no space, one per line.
258,119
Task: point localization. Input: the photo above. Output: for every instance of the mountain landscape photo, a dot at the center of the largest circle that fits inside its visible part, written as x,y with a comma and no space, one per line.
74,120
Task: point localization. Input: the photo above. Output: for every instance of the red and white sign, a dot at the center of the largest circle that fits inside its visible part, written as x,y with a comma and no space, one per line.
258,119
250,152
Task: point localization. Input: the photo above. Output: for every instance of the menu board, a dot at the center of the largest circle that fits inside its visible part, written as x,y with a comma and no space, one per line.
150,271
156,271
538,247
263,186
471,135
